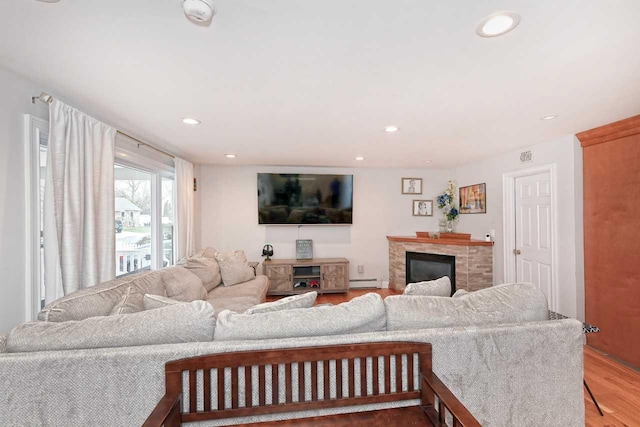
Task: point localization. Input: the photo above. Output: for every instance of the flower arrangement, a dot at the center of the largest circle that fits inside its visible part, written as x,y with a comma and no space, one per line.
446,202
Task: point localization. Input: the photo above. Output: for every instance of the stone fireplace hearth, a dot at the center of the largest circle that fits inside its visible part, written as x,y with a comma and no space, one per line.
473,260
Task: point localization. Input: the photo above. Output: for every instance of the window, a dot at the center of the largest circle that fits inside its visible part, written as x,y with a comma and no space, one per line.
144,208
37,139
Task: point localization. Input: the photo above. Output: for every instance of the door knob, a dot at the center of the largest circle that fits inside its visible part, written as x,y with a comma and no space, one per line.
517,252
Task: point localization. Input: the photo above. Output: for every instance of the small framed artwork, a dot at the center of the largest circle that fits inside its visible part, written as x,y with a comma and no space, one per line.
473,199
411,185
423,208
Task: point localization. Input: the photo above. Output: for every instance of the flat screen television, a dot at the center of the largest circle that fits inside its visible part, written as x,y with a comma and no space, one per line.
304,198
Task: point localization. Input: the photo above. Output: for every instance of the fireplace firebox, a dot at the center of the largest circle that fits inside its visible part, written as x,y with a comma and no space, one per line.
423,266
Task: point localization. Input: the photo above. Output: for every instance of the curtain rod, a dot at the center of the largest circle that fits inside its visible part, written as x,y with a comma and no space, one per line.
48,99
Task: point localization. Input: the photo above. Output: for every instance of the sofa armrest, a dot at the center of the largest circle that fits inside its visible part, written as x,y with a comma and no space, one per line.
3,343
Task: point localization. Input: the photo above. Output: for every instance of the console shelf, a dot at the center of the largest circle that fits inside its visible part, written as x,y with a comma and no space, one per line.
331,274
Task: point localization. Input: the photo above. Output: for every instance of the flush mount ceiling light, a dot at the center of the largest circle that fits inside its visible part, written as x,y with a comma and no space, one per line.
428,161
549,117
359,158
190,121
230,156
48,1
391,129
497,24
199,10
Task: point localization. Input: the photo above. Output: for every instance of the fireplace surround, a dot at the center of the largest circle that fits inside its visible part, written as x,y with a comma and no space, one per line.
473,260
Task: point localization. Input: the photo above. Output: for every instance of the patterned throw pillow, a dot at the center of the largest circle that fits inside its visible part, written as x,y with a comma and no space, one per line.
234,267
304,300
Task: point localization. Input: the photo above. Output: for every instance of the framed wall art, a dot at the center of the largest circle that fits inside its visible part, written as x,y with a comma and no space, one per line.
473,199
423,208
411,185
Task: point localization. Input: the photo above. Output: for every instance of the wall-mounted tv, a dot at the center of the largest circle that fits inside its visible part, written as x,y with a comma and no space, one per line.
304,198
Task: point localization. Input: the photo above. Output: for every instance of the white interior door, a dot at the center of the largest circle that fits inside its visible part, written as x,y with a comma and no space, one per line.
533,232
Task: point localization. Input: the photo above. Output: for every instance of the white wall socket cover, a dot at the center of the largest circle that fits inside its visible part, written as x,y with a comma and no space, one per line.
361,269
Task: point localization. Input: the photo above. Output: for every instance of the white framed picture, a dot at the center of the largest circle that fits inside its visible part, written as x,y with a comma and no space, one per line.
411,185
423,208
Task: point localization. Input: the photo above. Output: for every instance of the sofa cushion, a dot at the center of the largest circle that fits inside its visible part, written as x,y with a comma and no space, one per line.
130,302
362,314
234,267
3,343
256,288
510,303
182,285
207,253
151,302
459,293
193,322
435,288
100,299
235,304
304,300
205,268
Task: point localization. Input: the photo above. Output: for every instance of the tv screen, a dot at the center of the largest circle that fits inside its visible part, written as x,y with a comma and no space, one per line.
304,199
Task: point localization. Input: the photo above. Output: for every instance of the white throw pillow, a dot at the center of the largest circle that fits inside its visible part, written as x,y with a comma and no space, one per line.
234,267
151,302
304,300
365,313
434,288
459,293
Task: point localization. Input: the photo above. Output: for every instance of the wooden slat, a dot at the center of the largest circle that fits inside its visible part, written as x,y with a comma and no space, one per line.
206,375
221,388
387,374
327,382
287,382
262,389
193,396
275,389
352,377
411,380
314,381
339,394
248,393
376,378
398,373
234,387
363,376
301,382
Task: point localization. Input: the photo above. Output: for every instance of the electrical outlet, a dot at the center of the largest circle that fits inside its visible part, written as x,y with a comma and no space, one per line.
361,269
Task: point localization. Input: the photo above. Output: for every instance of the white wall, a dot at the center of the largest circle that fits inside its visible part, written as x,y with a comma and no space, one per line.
566,154
15,101
229,215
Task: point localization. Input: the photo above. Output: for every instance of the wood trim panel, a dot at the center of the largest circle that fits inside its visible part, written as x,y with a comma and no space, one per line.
452,242
610,132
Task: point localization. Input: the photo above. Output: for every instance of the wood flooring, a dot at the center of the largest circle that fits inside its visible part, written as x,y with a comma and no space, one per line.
615,386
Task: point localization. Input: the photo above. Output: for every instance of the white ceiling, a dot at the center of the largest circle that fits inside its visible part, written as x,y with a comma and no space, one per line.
293,82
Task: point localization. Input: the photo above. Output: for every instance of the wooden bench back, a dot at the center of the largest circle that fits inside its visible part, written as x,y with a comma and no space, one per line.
223,385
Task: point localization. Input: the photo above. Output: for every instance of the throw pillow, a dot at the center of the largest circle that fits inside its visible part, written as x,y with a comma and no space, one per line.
193,322
234,267
151,302
511,303
130,302
434,288
459,293
304,300
206,269
182,285
362,314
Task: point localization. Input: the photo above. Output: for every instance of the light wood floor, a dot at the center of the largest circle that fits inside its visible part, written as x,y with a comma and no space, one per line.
615,386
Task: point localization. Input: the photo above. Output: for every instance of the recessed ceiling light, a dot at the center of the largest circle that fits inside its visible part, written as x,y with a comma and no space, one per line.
497,24
230,156
391,129
428,161
549,117
190,121
359,158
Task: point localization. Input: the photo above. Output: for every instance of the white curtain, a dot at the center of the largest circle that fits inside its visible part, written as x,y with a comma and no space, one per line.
184,213
79,230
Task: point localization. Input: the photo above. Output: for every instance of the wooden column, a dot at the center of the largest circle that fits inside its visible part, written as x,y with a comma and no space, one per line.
611,156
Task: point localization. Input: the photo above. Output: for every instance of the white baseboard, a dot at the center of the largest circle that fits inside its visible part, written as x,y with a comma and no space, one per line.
364,284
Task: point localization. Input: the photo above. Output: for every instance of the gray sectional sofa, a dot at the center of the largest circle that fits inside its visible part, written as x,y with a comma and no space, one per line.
494,349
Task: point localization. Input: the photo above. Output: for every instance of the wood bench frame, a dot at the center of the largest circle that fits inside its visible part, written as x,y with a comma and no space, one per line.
169,412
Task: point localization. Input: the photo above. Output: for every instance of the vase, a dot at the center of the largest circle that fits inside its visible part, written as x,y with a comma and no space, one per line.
442,225
449,226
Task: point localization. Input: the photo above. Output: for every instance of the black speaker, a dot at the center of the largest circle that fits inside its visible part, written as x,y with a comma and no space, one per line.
267,251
